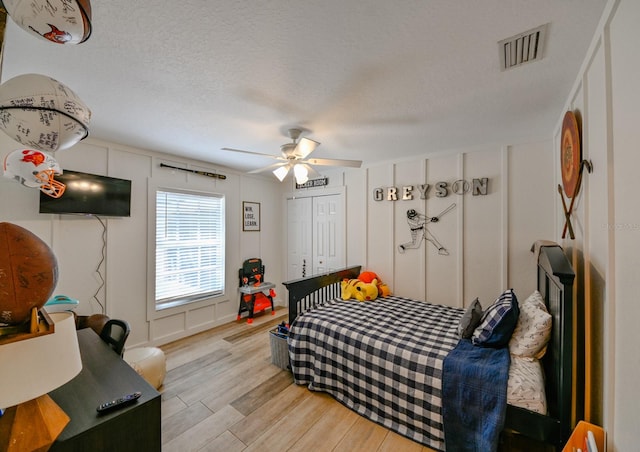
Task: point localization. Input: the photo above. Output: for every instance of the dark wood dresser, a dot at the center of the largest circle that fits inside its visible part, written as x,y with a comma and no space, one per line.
104,377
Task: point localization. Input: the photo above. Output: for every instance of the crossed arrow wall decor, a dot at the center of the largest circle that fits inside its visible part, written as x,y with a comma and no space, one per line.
567,212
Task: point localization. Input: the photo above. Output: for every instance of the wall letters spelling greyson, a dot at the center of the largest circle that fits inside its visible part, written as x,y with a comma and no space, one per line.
442,190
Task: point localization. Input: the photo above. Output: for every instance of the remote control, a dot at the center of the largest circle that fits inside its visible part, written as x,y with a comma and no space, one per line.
124,400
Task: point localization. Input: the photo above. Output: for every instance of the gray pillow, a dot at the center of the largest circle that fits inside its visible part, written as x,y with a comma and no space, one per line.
470,320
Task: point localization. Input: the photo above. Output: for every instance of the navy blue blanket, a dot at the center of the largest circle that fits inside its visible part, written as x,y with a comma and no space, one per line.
474,396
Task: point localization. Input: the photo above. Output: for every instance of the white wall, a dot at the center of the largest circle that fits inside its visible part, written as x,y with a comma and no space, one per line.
77,241
625,221
488,237
607,221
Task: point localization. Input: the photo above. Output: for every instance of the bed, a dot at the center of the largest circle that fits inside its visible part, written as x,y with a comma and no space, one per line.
375,363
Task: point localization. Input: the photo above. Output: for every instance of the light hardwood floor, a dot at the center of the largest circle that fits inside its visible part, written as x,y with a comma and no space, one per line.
222,393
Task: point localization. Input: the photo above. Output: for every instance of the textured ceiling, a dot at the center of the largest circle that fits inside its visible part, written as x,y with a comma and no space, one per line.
371,80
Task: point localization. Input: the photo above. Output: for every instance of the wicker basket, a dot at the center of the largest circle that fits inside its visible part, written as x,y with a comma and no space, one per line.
279,350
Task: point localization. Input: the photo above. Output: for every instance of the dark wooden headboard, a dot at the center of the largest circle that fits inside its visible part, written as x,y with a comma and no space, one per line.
555,283
306,293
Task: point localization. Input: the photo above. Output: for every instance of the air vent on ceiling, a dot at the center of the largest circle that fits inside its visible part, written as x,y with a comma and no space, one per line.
522,48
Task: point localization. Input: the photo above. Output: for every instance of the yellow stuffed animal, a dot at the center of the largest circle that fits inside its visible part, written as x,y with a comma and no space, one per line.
368,276
383,289
359,290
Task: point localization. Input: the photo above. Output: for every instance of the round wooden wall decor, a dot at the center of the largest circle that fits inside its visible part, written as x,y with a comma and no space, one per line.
570,155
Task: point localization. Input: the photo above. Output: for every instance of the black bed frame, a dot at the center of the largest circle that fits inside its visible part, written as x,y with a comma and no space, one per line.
555,282
307,293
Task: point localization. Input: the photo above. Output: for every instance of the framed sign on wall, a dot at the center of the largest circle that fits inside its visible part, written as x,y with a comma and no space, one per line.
250,216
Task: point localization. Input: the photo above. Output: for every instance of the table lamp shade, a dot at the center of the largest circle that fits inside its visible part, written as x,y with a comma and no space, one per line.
36,366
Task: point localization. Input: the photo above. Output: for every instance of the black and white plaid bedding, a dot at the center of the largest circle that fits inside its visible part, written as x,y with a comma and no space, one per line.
382,358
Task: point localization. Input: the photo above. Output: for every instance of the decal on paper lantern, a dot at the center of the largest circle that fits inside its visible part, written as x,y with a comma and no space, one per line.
42,113
58,21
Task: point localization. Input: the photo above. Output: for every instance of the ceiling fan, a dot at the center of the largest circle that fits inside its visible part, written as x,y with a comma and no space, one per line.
294,156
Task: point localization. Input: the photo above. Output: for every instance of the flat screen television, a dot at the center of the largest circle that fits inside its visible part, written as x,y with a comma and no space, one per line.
89,194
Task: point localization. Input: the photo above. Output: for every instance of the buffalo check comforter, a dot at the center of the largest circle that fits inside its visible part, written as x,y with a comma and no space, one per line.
382,358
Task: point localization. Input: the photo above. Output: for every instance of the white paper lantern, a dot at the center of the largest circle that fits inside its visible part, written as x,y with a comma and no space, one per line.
42,113
59,21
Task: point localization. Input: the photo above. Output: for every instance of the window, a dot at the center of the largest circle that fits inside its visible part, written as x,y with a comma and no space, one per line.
189,247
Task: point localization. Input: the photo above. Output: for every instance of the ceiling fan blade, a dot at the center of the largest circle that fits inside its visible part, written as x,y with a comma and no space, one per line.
254,153
267,168
305,147
335,162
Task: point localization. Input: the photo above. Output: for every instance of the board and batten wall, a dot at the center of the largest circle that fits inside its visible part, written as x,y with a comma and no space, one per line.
488,237
128,263
606,221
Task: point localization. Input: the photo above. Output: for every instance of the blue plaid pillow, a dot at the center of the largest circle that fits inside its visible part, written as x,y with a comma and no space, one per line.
498,322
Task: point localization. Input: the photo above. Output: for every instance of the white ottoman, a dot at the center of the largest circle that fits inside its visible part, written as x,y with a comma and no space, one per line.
149,362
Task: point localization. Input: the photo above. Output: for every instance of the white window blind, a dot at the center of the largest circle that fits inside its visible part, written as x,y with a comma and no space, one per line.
189,247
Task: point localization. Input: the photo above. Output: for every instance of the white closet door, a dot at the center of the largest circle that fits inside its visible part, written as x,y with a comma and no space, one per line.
328,233
316,235
300,229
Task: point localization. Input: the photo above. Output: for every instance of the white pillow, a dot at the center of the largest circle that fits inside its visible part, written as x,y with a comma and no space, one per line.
533,329
525,387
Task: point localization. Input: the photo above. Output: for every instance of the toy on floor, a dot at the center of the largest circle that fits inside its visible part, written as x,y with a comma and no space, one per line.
256,295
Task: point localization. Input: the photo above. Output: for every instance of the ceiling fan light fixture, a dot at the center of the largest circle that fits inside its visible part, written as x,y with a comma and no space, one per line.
287,149
301,172
281,172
